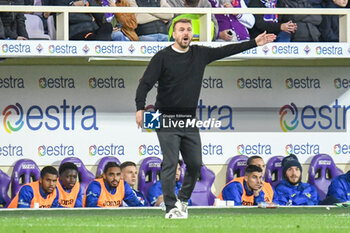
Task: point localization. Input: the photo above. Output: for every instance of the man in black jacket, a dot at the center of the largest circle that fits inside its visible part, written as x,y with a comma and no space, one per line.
12,24
179,71
85,26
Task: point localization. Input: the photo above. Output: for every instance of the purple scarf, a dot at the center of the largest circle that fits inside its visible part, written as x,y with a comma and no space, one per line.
229,21
269,17
109,16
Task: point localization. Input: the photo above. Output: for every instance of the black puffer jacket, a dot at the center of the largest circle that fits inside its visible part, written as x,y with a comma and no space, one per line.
83,23
12,24
307,24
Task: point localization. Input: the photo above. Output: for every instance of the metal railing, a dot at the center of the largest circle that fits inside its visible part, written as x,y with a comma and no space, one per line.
205,24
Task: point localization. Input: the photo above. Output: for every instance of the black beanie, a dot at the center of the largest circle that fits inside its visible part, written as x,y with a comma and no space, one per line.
290,161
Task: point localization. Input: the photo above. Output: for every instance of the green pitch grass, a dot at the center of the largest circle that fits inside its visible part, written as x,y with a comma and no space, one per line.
250,220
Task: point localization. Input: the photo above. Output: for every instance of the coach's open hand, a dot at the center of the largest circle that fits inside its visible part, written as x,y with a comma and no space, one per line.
264,38
139,118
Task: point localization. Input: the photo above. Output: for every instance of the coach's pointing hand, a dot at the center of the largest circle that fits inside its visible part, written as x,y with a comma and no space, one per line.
139,118
264,38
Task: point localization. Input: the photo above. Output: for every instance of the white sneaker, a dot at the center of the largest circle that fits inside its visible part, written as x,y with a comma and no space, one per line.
182,206
175,213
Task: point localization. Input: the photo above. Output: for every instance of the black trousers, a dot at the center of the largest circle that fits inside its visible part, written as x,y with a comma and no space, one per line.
188,142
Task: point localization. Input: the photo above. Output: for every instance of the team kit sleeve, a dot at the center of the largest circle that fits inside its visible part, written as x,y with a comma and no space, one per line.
283,197
154,192
337,190
93,192
55,201
233,192
79,201
275,198
130,198
25,197
260,198
315,197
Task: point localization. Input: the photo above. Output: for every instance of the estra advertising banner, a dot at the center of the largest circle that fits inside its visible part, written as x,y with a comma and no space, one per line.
13,48
49,113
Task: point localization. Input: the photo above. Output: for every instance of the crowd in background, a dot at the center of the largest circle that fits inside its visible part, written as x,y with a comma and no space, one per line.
158,27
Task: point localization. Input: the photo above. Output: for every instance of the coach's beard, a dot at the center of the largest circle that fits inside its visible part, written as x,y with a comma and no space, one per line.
185,42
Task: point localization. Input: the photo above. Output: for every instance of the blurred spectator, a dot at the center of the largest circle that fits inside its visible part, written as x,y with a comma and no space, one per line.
194,17
12,24
233,27
307,24
124,24
86,26
280,25
43,15
151,26
329,27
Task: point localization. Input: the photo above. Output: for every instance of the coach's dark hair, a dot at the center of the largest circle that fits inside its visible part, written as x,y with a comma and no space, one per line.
191,3
48,170
251,158
252,168
109,165
127,164
182,21
67,166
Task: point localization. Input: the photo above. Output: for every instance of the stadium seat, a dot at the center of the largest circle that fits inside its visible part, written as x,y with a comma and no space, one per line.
35,28
103,162
202,195
51,27
321,172
273,173
5,181
24,171
236,167
149,173
85,176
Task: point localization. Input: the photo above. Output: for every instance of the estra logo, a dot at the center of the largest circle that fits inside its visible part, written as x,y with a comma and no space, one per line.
341,83
53,117
302,149
15,48
11,150
63,49
149,49
111,82
10,82
254,83
56,82
329,50
337,149
254,149
55,150
291,110
110,150
303,83
223,113
323,118
211,149
212,83
341,149
109,49
286,49
145,150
